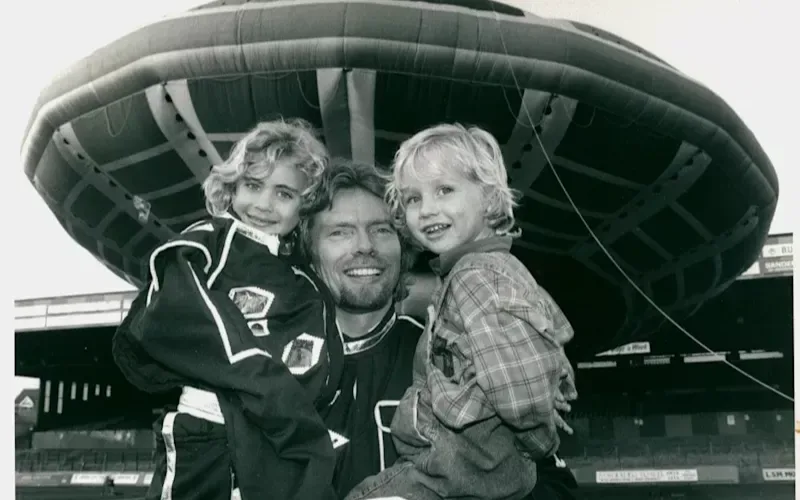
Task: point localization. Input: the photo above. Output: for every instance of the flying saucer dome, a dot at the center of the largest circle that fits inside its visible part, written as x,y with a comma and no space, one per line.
670,179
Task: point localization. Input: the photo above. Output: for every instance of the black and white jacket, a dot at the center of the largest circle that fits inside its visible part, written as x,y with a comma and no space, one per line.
224,313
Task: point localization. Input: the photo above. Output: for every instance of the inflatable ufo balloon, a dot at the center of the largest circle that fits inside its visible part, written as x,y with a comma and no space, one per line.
670,180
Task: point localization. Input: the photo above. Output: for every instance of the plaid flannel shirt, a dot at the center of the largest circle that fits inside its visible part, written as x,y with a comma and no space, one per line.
500,338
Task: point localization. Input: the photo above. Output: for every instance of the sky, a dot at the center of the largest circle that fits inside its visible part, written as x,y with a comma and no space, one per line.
738,48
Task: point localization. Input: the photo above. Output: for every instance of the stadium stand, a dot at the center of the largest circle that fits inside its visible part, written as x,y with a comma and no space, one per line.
668,421
608,437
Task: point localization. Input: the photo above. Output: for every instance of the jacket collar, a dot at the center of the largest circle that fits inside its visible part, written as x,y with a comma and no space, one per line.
445,262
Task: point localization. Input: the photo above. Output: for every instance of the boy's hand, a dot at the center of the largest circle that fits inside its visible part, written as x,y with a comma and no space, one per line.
561,403
565,393
566,386
563,425
562,406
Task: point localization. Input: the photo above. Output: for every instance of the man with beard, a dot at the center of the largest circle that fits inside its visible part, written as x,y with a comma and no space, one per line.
350,241
349,238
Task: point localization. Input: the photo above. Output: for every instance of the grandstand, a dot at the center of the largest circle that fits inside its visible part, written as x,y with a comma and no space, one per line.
657,418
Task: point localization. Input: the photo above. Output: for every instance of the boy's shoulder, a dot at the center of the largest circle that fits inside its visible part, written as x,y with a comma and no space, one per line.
501,269
504,264
510,273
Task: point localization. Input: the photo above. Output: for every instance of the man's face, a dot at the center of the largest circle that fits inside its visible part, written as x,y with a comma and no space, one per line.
356,251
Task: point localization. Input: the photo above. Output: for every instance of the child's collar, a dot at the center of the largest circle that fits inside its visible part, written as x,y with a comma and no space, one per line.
442,264
271,241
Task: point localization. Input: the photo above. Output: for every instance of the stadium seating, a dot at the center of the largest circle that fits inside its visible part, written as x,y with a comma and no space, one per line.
742,451
82,460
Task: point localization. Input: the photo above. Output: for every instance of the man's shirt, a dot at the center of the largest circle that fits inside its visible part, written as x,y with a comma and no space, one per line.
377,372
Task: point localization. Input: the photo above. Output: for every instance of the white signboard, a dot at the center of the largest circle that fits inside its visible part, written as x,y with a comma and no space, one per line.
632,348
777,250
646,476
98,478
125,479
778,474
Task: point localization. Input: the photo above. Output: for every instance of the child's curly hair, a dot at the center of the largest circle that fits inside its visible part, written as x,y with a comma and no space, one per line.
471,151
256,155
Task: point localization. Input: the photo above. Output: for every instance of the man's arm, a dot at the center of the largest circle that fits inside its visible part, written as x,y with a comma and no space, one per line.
517,360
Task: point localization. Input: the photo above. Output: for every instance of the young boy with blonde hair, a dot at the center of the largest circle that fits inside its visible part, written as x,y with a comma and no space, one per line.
243,331
491,365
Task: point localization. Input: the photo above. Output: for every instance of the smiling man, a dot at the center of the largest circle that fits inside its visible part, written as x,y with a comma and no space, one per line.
350,240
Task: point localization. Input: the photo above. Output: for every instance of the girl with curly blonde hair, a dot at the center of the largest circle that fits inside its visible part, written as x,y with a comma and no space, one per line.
245,331
270,175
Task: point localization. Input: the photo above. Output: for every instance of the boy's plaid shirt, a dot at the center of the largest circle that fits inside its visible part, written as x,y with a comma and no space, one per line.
498,342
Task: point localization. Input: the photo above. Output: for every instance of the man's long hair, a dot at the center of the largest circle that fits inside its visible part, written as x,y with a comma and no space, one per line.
347,174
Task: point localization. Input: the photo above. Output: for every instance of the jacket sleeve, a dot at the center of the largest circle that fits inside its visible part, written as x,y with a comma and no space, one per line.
517,361
201,335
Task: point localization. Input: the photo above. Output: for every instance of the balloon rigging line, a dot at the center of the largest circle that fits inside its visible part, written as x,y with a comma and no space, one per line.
603,247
